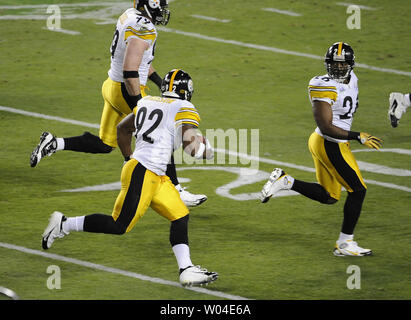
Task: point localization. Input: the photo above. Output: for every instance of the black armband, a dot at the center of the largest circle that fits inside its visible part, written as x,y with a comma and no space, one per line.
156,79
134,99
352,135
130,74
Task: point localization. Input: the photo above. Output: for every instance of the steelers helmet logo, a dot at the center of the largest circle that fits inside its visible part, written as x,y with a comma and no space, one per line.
190,85
154,4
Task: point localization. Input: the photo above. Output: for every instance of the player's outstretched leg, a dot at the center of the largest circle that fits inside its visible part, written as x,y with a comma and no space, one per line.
190,275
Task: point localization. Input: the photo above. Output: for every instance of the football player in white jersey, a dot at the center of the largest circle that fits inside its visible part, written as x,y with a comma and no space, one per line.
160,125
334,100
399,103
132,52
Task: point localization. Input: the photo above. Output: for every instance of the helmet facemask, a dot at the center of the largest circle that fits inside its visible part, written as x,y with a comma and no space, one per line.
339,71
339,61
156,10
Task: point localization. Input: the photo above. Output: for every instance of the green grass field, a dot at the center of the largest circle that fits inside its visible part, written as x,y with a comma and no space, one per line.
281,250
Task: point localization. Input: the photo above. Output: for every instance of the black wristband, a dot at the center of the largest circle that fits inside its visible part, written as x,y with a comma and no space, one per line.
127,158
130,74
352,135
134,99
156,79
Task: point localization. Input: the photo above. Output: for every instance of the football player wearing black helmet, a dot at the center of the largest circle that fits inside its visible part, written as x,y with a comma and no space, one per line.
177,84
132,52
156,10
339,61
144,182
334,101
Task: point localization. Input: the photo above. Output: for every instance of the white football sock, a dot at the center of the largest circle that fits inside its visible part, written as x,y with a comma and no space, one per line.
182,253
60,144
345,237
73,224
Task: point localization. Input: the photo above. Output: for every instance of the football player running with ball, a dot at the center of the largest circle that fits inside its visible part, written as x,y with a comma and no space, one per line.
334,99
132,52
160,124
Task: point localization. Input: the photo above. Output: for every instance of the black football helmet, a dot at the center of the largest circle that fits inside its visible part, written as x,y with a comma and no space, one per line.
156,10
339,61
177,84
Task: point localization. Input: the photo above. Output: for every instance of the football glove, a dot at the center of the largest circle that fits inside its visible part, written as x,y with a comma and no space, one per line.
370,141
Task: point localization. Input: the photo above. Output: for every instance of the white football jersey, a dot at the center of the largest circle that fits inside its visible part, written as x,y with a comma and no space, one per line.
132,24
342,97
158,124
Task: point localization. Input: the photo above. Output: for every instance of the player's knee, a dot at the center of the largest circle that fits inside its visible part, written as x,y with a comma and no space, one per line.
97,145
358,194
119,229
327,199
331,200
116,227
179,231
106,148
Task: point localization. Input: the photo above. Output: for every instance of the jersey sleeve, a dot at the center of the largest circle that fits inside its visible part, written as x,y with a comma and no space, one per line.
187,114
143,31
322,89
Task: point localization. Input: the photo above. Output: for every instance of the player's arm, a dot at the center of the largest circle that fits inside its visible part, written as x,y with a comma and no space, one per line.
132,60
153,76
323,116
195,144
125,130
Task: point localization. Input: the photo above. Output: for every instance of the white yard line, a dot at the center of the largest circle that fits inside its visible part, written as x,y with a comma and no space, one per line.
105,16
228,152
125,273
286,12
345,4
391,150
47,117
276,50
80,4
71,32
210,18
